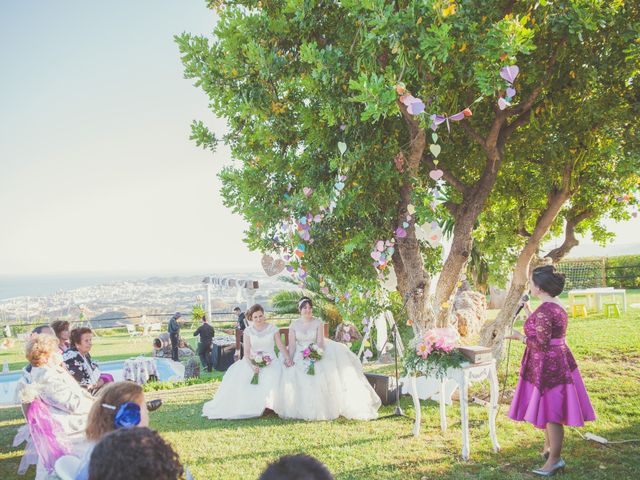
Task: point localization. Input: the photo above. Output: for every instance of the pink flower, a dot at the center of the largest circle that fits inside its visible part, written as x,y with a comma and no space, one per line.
423,349
306,352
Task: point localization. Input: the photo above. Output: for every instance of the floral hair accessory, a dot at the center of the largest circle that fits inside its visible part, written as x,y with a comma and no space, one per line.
127,414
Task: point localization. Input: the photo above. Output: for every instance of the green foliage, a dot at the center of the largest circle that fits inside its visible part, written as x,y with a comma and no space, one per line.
623,271
295,78
435,364
197,312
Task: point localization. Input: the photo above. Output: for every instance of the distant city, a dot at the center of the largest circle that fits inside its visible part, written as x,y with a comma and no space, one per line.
131,298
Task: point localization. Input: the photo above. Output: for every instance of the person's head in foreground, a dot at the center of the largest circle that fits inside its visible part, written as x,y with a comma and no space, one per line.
41,330
42,350
305,307
256,315
120,404
134,453
296,467
547,280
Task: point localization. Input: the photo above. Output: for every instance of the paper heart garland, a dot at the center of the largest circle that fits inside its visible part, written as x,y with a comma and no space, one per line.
510,73
342,147
272,266
436,174
435,149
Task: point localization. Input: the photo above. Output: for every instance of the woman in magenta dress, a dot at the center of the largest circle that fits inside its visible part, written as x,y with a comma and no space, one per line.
550,391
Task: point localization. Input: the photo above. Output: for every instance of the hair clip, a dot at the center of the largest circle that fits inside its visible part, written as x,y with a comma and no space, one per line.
127,414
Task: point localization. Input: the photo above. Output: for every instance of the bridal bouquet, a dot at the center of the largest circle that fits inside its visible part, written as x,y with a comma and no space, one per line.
260,360
313,353
433,352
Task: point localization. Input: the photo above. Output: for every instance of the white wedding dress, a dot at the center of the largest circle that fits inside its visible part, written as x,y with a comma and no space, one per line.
237,397
338,388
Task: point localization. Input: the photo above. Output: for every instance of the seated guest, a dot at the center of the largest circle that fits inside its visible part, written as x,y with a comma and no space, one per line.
134,453
119,405
39,330
61,331
78,361
67,404
162,347
296,467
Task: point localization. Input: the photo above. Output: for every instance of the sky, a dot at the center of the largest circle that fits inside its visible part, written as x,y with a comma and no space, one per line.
97,172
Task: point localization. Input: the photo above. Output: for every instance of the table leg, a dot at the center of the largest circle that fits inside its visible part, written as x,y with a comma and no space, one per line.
443,411
624,302
464,414
413,390
493,408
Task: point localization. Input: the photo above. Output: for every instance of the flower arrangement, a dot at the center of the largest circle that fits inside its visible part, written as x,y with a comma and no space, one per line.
260,360
433,352
312,353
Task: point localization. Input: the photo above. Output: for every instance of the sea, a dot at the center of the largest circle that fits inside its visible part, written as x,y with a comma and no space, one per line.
12,286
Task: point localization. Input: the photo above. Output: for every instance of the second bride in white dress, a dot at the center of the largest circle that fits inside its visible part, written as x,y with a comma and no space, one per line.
237,397
338,387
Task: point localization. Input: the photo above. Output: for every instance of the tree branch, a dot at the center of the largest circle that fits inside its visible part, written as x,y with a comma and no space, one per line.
570,239
471,132
446,174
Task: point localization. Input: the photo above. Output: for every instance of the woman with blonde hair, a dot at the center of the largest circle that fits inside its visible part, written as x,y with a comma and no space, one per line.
56,407
119,405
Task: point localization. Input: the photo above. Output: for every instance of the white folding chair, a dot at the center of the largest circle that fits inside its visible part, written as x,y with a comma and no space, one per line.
67,467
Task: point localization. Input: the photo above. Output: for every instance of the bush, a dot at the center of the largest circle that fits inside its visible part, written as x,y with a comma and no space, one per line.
623,271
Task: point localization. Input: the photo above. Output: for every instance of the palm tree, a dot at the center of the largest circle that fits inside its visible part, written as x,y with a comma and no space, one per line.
286,302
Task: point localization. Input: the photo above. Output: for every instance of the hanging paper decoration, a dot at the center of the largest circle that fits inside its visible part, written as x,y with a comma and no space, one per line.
272,266
382,252
509,74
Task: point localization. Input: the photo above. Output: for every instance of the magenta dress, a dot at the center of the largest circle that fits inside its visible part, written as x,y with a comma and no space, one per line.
550,388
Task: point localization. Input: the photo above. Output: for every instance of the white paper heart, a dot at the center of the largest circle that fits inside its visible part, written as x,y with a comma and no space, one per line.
434,137
502,103
307,191
272,266
342,147
411,209
435,149
436,174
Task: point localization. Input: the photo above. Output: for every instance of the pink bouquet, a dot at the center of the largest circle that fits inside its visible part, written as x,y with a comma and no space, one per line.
260,360
436,339
313,353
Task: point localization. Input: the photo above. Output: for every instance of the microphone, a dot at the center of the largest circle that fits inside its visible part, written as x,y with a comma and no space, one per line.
523,300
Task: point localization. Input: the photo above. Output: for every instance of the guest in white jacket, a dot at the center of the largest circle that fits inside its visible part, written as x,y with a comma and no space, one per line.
57,407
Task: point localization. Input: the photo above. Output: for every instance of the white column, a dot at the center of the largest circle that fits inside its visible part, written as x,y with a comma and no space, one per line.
208,301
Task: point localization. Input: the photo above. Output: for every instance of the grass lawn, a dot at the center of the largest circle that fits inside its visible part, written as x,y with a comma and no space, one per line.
608,353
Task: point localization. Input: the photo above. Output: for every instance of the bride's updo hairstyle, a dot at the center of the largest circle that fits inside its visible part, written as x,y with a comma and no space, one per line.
548,280
304,301
253,309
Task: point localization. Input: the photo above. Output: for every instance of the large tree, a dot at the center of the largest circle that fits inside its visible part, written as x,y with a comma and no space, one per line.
313,90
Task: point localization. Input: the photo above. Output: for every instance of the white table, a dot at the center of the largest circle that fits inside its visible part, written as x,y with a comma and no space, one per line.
139,369
595,296
463,377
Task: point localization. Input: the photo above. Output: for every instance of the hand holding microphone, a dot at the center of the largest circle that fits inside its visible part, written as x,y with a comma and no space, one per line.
523,303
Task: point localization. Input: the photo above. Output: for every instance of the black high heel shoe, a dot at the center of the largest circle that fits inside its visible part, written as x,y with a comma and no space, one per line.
154,404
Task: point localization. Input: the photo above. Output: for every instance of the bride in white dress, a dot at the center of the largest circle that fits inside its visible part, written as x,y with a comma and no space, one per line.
338,388
237,397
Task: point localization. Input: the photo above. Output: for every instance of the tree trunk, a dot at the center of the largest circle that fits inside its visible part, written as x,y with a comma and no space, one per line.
466,215
492,334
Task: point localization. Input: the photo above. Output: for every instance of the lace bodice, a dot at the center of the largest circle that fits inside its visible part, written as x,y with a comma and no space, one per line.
262,341
547,363
306,333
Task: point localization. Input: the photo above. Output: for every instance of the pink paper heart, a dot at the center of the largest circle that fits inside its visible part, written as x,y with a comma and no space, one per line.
436,174
375,255
307,191
401,232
